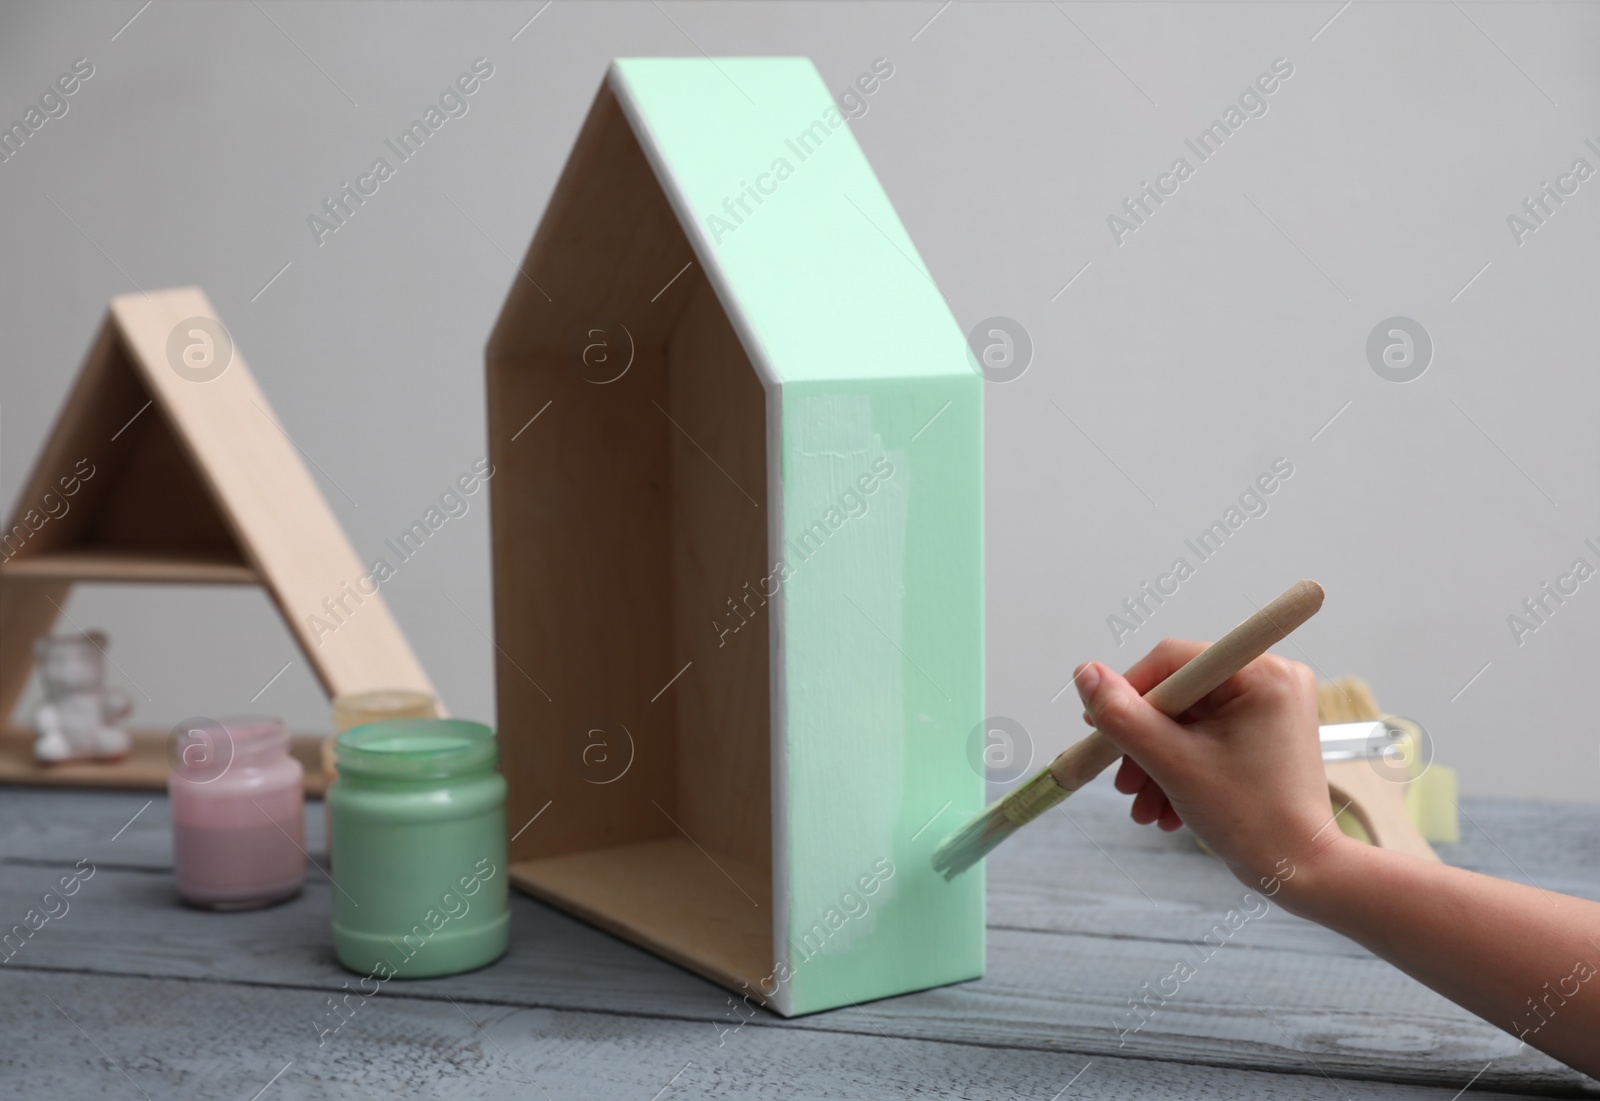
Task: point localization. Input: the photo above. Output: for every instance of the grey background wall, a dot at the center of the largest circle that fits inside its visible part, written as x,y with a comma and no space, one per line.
1170,369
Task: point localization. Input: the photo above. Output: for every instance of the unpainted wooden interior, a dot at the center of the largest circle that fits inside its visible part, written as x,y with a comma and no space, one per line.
630,531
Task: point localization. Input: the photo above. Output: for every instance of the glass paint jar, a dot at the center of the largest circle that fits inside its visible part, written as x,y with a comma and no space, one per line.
419,842
353,709
238,813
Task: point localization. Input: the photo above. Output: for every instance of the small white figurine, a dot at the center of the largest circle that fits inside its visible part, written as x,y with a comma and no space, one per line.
80,717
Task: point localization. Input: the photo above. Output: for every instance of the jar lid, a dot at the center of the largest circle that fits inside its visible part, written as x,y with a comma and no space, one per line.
415,749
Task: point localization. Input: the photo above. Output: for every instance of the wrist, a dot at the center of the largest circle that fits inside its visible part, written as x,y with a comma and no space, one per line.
1321,874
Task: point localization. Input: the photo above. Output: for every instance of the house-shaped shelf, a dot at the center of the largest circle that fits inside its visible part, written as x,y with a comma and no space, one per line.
738,550
157,472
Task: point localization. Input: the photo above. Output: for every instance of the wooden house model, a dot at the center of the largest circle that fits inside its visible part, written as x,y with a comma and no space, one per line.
738,547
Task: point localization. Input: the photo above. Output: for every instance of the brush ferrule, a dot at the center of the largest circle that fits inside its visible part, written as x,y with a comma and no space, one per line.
1033,799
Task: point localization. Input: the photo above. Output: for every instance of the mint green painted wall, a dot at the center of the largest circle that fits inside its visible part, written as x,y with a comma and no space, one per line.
825,275
883,683
878,644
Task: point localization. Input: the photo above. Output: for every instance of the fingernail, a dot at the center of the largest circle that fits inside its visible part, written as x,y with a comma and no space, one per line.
1087,678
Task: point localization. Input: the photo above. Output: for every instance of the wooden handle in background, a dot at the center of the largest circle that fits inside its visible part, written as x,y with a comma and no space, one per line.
1205,672
1379,804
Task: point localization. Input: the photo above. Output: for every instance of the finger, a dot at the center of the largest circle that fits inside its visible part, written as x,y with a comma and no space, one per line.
1268,677
1136,728
1213,701
1147,804
1164,809
1169,819
1168,656
1130,777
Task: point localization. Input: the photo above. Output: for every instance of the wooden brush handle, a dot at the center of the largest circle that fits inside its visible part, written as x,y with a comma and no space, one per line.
1205,672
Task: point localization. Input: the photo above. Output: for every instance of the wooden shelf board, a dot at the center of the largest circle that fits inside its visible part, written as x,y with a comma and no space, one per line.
145,767
669,897
97,564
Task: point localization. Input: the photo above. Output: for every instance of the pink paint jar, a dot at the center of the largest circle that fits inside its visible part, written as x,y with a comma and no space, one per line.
238,813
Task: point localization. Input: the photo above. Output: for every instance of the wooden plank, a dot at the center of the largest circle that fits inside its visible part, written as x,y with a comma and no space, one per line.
155,500
580,517
1556,846
252,470
629,515
74,1035
91,441
607,248
105,399
699,910
877,666
616,545
26,612
1378,804
717,458
582,601
145,767
1114,874
150,476
124,504
1356,1017
129,567
125,829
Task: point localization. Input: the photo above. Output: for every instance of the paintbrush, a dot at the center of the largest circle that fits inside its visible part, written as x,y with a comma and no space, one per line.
1080,763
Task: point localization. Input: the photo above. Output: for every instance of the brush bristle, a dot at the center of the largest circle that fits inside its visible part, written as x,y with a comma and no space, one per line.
979,837
1346,700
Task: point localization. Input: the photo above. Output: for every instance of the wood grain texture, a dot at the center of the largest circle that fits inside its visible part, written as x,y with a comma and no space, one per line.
145,767
627,511
711,914
1046,1000
788,370
722,621
130,567
170,1038
582,564
27,610
580,521
151,477
1379,804
252,472
102,401
603,254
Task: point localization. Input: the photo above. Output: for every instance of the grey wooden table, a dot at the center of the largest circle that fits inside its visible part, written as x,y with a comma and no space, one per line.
128,993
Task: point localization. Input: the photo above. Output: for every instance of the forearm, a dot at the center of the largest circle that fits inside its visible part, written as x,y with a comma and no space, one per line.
1524,959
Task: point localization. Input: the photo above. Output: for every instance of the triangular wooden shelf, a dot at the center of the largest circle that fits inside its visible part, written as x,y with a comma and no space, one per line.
100,564
175,481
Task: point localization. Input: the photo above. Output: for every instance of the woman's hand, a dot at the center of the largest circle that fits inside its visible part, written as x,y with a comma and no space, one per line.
1242,768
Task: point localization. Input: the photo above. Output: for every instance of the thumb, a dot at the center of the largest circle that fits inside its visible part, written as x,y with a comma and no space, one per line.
1118,711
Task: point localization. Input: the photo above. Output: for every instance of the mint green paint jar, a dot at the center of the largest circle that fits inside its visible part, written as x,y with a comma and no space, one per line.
419,849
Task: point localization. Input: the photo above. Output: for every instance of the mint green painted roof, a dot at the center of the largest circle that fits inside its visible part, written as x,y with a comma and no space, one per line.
819,276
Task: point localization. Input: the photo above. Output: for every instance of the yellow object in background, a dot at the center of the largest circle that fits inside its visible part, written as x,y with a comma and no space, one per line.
360,708
1430,796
